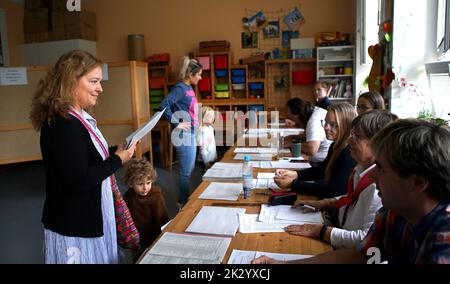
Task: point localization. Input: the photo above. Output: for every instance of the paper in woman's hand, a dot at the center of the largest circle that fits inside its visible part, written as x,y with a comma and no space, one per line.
143,130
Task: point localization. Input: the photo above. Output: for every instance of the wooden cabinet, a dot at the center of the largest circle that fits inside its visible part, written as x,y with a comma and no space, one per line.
288,78
336,66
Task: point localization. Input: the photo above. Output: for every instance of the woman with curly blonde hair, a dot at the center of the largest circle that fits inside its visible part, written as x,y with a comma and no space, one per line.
78,214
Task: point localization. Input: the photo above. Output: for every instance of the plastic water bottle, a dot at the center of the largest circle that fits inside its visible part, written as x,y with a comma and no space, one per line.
247,177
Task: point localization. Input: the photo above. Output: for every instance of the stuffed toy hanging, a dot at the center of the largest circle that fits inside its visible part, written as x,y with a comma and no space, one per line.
376,53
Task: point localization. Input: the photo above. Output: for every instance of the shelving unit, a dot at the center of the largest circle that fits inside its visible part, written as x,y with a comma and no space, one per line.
336,66
288,78
157,78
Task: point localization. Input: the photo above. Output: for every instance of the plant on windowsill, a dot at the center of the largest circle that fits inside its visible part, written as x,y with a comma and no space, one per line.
426,115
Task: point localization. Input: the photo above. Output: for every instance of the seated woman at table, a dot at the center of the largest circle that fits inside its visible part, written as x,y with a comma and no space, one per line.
305,115
356,209
331,176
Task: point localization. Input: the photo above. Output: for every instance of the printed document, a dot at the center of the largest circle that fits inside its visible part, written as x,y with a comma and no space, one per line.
173,248
224,171
245,256
216,220
143,130
222,191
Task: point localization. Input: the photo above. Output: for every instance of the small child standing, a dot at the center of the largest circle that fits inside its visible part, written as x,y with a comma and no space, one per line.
206,139
146,202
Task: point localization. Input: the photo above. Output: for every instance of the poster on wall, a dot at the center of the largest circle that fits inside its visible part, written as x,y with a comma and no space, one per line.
255,22
286,37
272,30
249,40
294,19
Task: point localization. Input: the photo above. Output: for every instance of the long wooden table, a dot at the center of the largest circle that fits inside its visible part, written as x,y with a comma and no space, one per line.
267,242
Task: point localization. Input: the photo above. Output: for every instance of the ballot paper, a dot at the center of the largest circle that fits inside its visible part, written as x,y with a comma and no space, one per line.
255,157
248,224
222,191
216,220
246,256
173,248
224,172
145,129
287,214
265,180
281,164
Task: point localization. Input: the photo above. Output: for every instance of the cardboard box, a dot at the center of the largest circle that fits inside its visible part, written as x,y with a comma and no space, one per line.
80,25
37,37
36,21
58,21
32,5
59,5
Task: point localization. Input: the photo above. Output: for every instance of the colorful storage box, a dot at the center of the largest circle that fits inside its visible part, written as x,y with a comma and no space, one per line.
221,73
238,72
222,87
204,61
303,77
221,61
302,53
238,87
256,107
256,86
204,85
238,80
222,95
156,82
156,99
156,93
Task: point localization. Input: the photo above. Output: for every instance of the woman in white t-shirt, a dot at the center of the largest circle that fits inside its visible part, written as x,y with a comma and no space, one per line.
305,115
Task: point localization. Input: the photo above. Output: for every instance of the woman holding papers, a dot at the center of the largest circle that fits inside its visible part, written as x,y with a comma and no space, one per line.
356,209
329,178
78,213
182,111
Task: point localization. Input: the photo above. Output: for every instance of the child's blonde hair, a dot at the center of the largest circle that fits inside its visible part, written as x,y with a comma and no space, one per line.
207,112
136,170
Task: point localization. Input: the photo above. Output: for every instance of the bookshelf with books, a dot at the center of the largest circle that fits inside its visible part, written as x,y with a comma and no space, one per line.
336,67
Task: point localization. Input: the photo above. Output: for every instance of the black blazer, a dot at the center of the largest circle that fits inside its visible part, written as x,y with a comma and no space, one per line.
340,174
74,172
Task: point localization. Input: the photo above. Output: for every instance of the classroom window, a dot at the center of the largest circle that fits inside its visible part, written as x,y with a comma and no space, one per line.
439,78
443,26
370,27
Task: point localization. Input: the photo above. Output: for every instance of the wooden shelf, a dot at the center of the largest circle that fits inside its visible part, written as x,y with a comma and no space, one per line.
286,61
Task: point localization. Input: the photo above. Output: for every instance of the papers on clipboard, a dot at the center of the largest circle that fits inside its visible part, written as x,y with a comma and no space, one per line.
143,130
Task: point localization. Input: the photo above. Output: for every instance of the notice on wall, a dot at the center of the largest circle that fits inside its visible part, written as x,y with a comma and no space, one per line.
105,72
13,76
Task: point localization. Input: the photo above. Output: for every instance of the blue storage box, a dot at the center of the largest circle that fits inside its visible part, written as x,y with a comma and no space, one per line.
238,72
256,86
221,73
238,80
256,107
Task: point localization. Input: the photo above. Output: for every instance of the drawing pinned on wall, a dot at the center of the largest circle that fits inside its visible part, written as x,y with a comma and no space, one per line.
294,19
286,37
249,40
255,22
281,83
272,30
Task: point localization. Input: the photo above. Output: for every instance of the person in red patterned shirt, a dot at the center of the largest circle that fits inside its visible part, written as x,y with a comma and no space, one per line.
412,174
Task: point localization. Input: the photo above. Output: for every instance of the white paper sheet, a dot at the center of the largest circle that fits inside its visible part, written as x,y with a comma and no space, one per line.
257,150
216,220
222,191
282,164
248,224
245,256
13,76
254,157
264,183
268,214
173,248
145,129
296,214
224,171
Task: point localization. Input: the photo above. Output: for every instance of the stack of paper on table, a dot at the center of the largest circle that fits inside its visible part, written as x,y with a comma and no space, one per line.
246,256
214,220
281,164
222,191
275,219
173,248
265,180
255,157
257,150
224,171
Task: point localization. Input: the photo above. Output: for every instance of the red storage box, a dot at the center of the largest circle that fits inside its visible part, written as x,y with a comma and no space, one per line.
303,77
221,61
204,85
156,82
